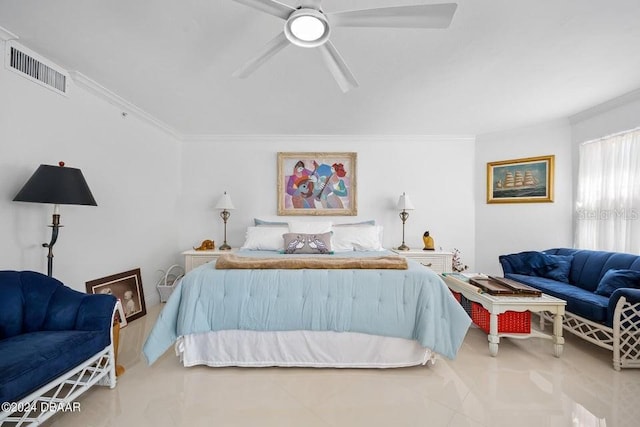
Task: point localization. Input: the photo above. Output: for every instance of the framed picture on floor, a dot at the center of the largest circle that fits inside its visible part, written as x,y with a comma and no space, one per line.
527,180
317,184
127,287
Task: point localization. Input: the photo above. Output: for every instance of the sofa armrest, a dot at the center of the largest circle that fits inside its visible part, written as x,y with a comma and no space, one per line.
632,296
95,313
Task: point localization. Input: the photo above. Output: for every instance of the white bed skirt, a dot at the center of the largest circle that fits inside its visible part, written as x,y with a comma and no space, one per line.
318,349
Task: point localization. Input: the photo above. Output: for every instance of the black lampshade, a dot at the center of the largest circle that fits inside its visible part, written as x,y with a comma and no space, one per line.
58,185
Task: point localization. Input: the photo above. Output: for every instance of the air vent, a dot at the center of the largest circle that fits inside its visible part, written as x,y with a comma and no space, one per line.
35,68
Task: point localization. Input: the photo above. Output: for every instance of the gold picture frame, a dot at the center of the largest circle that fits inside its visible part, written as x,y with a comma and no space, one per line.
317,183
526,180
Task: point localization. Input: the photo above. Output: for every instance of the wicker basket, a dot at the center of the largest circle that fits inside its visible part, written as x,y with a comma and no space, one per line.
516,322
169,281
457,296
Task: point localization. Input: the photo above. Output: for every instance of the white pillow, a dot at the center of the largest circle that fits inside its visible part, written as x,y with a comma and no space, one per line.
357,238
310,227
265,238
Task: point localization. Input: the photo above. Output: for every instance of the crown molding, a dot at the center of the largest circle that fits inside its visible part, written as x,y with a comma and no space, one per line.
95,88
7,35
327,138
102,92
605,106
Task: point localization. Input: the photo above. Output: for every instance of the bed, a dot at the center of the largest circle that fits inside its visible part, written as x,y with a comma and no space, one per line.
316,317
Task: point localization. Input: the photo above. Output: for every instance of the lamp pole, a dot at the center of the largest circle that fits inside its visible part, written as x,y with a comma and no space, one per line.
55,227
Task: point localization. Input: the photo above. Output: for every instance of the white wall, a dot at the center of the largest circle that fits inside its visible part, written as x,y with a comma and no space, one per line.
436,172
516,227
132,168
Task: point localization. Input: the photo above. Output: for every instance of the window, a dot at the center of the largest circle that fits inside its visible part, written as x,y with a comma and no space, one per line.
608,199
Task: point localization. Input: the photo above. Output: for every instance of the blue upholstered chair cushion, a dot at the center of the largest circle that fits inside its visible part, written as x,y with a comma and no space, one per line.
29,361
615,279
579,301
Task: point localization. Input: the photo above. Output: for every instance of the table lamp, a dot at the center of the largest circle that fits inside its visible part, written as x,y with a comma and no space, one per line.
226,205
57,185
405,205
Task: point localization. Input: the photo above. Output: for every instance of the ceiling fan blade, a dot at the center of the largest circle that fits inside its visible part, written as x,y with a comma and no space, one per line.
271,7
270,49
418,16
338,67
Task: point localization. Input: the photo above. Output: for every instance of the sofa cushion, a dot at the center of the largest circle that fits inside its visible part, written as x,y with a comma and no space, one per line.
562,268
615,279
530,263
588,266
29,361
11,304
579,301
31,302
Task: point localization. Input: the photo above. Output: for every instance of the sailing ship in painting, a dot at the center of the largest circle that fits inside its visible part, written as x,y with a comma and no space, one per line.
518,183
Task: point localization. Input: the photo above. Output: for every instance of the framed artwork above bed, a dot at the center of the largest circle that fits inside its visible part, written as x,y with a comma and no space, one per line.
317,184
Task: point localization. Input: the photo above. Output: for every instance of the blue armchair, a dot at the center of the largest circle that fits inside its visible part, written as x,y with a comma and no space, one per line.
50,335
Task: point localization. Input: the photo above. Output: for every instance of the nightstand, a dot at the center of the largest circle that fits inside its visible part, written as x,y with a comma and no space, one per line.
193,258
440,262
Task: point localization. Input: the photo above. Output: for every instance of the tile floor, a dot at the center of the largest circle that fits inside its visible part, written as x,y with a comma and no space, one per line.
523,386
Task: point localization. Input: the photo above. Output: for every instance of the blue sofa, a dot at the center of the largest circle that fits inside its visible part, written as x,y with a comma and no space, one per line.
602,290
50,335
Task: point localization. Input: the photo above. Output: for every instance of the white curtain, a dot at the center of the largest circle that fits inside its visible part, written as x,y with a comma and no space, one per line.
608,199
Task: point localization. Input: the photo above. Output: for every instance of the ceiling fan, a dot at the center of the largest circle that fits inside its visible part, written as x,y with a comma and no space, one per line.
309,26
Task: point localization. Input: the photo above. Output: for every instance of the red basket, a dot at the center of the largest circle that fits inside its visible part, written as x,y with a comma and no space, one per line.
456,295
516,322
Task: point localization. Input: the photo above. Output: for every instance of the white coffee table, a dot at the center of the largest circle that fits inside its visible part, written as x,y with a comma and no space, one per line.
496,305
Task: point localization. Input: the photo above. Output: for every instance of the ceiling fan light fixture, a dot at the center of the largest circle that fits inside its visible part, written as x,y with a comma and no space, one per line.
307,28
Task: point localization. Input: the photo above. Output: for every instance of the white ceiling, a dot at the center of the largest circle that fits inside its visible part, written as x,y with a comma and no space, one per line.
502,64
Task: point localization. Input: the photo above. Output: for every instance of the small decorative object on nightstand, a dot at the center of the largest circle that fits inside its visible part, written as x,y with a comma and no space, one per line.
206,245
428,242
405,205
457,263
226,205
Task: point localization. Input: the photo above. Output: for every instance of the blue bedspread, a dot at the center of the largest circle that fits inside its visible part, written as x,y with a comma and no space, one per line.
413,304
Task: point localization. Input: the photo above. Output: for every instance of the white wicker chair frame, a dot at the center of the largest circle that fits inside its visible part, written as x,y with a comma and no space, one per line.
60,393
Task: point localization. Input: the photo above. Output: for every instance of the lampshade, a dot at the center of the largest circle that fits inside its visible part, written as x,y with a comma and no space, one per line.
404,203
225,202
58,185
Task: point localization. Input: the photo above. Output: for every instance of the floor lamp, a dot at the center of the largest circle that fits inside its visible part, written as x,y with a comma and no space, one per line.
57,185
226,205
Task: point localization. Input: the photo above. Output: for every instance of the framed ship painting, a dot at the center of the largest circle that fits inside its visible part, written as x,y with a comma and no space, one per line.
528,180
317,184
